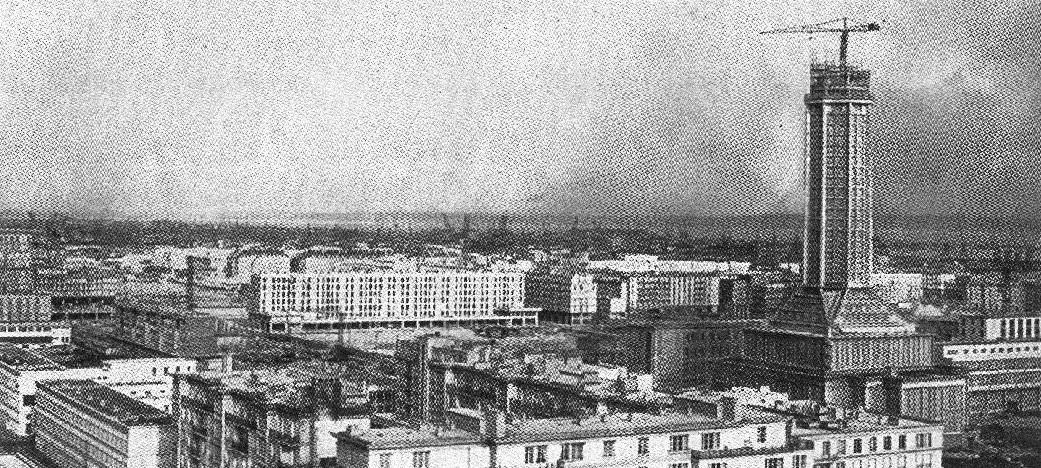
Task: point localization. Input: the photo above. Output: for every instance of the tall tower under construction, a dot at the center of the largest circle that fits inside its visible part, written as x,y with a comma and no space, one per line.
837,252
835,331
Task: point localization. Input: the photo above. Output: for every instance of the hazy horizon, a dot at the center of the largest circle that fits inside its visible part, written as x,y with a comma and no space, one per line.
193,109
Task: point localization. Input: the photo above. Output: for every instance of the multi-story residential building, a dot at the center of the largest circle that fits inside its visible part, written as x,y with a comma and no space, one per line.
678,354
999,375
278,417
77,286
167,327
835,437
22,253
20,370
564,294
438,373
32,335
148,379
81,423
870,440
305,302
491,439
623,295
25,308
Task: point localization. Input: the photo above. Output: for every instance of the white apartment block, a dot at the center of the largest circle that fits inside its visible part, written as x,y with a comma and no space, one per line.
316,301
636,440
32,335
866,443
723,434
148,380
83,423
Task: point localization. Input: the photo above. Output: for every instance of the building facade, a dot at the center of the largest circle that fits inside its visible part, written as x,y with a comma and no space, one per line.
281,417
81,423
301,302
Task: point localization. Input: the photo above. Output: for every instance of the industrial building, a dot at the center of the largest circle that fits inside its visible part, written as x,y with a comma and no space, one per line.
308,302
81,423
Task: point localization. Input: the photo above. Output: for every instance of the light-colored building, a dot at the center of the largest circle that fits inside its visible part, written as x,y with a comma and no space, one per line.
279,417
246,263
671,440
873,441
301,302
146,379
81,423
25,308
31,335
898,287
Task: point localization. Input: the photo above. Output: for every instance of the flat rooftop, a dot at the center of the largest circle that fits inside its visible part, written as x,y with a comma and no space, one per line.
107,402
866,423
620,425
23,360
281,385
554,429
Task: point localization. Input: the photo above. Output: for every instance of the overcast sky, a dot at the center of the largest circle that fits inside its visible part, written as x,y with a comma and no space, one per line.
201,107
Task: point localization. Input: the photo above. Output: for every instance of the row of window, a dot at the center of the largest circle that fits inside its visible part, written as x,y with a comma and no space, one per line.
922,440
1009,349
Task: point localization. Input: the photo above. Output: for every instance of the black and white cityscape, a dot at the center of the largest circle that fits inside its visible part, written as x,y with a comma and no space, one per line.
621,234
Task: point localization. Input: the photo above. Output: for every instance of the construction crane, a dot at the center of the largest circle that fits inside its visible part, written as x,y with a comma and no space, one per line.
842,26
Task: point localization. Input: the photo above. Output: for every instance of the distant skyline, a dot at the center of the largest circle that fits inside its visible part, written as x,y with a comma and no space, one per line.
190,109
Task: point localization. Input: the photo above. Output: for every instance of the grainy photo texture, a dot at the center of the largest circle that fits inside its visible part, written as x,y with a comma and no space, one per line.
520,234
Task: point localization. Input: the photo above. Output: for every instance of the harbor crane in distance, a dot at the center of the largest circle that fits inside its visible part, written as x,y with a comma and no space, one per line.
842,26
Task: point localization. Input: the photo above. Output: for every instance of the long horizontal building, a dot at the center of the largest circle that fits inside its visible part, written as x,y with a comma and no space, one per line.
81,423
295,302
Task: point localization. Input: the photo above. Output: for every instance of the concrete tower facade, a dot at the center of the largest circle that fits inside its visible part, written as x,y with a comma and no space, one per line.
838,252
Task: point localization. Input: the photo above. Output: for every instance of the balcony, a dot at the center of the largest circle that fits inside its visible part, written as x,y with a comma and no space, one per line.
749,451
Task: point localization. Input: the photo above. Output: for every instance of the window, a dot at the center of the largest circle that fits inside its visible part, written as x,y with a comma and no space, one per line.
857,446
773,463
798,461
678,443
887,443
761,434
717,465
385,460
679,465
710,441
923,440
420,459
840,447
643,446
872,444
902,441
535,454
826,448
572,451
608,448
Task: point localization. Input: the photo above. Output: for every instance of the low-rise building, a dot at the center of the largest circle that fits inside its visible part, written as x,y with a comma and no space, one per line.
81,423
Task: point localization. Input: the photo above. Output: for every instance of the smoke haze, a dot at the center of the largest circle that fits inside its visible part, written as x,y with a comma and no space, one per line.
198,108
